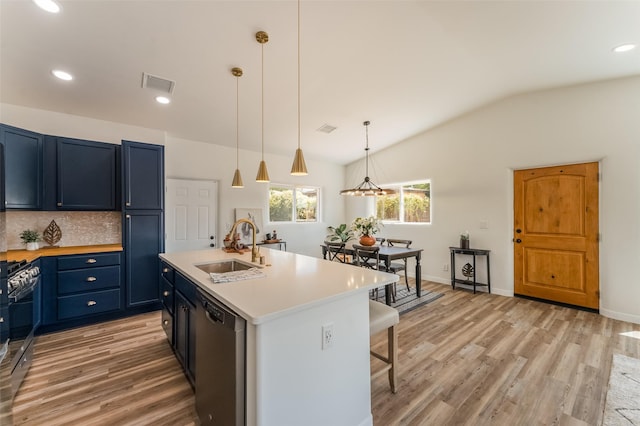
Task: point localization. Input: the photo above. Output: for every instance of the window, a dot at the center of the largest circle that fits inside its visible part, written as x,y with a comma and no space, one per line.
410,204
289,202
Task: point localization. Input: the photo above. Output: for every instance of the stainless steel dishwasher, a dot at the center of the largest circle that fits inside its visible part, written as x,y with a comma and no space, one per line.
220,363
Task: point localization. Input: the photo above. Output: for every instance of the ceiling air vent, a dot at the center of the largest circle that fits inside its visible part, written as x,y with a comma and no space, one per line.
326,128
157,83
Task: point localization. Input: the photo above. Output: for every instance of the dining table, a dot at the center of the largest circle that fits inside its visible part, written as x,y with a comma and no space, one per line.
388,254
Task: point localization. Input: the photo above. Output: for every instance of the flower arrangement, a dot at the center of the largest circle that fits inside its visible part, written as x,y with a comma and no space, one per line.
366,225
464,236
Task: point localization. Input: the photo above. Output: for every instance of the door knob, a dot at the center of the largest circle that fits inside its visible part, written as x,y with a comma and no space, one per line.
212,237
518,231
518,240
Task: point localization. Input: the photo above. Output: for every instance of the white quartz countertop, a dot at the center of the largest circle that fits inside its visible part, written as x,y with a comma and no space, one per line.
293,282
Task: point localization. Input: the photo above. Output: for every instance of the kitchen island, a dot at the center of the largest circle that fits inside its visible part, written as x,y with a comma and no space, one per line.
290,378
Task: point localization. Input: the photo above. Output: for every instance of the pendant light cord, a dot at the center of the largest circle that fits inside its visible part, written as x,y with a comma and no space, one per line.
366,150
298,74
262,101
237,122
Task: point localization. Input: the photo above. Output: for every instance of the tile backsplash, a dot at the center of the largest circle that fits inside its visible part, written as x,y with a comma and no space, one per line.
78,228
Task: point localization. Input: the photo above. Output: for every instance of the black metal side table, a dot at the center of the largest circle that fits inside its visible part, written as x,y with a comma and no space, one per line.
471,252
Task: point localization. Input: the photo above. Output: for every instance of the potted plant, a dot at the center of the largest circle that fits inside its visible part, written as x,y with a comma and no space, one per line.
30,238
366,227
340,233
464,240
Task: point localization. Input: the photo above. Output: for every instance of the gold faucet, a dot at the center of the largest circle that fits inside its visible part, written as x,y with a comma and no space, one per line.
255,254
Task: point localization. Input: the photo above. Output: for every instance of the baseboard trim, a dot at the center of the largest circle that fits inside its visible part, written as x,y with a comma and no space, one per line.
620,316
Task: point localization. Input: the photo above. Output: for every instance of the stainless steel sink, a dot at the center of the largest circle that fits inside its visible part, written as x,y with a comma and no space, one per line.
222,266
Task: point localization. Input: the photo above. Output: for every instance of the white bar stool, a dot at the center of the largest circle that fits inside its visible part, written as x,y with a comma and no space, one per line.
383,317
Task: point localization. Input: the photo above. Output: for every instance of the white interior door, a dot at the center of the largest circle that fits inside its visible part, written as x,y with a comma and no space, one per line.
191,212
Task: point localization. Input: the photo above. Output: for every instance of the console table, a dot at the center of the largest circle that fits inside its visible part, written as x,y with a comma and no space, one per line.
280,244
470,252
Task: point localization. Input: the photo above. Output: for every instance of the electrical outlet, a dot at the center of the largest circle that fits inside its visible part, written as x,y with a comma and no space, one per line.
327,336
445,267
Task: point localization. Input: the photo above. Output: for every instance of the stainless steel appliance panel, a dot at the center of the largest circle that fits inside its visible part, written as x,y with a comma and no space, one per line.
220,364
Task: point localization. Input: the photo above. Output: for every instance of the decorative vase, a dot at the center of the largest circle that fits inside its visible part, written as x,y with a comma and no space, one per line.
367,240
32,246
464,244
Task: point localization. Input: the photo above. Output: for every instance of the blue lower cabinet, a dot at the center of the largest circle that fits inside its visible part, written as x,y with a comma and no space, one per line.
95,302
89,279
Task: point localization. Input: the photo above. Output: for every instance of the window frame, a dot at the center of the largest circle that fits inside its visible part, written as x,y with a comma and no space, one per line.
399,187
294,210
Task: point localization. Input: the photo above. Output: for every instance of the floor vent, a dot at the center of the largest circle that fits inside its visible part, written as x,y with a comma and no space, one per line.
157,83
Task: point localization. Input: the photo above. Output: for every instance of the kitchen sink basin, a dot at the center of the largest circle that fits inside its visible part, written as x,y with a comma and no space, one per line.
222,266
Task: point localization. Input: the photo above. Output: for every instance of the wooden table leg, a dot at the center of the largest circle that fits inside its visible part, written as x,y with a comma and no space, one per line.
418,276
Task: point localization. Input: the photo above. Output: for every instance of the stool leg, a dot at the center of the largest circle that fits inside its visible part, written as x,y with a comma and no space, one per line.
392,341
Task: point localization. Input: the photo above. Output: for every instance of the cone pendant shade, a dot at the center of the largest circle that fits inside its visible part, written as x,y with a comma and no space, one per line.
237,180
263,174
299,167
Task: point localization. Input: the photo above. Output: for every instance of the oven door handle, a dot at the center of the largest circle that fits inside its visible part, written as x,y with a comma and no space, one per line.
24,291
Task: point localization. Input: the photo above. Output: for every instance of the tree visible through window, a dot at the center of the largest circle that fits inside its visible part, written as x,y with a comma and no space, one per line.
410,204
284,207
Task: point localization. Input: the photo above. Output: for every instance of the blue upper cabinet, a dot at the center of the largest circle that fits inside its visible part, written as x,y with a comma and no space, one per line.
87,175
23,168
143,176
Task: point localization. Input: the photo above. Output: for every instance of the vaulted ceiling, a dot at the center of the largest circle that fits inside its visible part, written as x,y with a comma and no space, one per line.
406,66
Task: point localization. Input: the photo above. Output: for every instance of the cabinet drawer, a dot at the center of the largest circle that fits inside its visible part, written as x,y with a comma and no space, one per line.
167,272
167,324
88,261
88,303
167,295
187,288
89,279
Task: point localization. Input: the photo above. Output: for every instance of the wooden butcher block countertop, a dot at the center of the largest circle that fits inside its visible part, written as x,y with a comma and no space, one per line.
31,255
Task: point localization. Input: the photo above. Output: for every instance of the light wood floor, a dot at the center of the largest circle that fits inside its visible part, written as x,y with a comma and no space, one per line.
464,359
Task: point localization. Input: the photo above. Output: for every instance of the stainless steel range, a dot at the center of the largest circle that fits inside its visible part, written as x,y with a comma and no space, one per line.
23,280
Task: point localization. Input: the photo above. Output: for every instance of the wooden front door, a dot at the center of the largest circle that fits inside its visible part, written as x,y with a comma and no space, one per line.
555,234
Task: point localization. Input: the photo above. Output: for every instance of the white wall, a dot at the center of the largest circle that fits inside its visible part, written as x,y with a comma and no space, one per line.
199,160
470,161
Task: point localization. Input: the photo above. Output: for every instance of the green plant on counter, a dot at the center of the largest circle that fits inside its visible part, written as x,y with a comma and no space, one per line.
464,236
30,236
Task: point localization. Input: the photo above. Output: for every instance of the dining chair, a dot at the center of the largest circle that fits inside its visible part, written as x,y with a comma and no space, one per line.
369,257
383,317
380,240
396,267
336,251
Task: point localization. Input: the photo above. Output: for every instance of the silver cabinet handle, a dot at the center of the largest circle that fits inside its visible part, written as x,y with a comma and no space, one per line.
92,303
165,270
166,293
91,260
128,216
59,204
1,319
91,279
127,203
165,322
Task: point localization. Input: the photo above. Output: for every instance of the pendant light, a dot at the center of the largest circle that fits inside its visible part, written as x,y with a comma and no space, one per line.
262,176
237,178
367,187
299,167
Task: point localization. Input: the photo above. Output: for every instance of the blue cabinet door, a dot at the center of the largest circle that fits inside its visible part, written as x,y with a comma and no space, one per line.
143,241
87,175
143,176
23,152
185,335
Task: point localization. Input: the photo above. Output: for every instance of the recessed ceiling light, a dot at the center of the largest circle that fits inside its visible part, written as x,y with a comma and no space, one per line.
48,5
162,99
624,48
62,75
